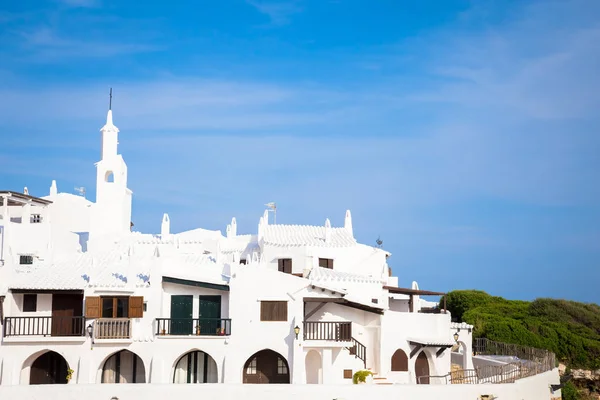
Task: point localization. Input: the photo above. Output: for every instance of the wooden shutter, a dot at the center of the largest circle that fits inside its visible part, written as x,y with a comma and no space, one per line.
326,263
285,265
136,307
93,307
273,310
399,361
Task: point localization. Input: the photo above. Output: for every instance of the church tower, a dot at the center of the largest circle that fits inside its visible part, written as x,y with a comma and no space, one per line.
111,216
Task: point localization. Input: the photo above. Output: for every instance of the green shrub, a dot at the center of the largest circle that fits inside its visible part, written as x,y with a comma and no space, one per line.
361,376
570,392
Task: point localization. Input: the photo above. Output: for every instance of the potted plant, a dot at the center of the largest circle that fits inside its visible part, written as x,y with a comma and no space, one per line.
163,332
197,329
361,376
69,374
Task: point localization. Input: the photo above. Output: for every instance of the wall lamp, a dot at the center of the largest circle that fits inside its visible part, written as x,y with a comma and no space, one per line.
456,336
90,330
296,330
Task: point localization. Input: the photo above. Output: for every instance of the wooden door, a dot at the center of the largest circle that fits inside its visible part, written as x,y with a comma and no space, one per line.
181,315
47,369
266,366
65,307
422,368
210,315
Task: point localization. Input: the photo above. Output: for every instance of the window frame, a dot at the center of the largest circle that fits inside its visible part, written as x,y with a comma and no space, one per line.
115,303
27,257
283,264
327,261
33,301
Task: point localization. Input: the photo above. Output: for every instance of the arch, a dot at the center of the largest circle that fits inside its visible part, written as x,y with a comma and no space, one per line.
314,367
266,366
109,177
195,366
400,361
422,368
123,367
48,368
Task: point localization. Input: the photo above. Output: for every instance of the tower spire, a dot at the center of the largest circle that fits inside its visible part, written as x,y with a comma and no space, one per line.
110,100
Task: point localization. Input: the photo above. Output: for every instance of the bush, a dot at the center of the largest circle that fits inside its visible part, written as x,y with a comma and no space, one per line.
570,392
569,329
361,376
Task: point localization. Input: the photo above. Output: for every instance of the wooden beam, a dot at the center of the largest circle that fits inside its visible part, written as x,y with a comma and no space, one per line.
440,351
416,350
317,308
187,282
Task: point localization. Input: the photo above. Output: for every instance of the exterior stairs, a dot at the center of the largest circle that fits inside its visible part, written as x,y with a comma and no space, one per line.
358,350
380,380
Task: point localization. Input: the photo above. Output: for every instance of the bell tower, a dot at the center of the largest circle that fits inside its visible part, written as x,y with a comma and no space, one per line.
111,217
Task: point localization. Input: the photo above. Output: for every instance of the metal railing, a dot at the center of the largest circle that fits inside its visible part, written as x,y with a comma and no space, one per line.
112,328
193,326
323,330
44,326
521,362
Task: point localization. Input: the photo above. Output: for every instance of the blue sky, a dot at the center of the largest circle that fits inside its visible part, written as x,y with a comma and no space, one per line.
464,134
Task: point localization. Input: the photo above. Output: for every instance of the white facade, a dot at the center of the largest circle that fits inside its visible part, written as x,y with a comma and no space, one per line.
79,287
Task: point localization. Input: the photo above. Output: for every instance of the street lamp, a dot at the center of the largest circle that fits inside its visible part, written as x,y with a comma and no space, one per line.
456,336
296,330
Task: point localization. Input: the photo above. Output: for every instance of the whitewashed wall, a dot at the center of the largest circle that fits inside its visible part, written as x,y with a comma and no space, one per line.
533,388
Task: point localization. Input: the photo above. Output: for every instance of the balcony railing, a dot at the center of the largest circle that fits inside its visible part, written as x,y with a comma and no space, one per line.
44,326
320,330
193,326
112,328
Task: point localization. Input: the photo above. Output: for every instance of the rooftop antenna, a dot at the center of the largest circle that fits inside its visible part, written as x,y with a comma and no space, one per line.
379,242
110,100
273,207
80,190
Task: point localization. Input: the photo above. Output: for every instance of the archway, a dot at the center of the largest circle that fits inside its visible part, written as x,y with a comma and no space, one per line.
49,368
422,369
123,367
196,367
399,361
109,177
266,366
314,368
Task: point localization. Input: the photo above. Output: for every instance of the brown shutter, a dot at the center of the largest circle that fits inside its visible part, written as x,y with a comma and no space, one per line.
273,310
136,307
93,307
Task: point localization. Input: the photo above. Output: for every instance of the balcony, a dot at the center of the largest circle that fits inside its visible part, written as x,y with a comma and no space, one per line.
193,326
44,326
112,328
332,331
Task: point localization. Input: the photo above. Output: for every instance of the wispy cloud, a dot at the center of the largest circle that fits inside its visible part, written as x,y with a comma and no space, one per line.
45,44
279,12
80,3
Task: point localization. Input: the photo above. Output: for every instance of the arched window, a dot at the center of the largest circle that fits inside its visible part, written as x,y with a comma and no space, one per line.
196,367
266,366
109,177
400,361
124,367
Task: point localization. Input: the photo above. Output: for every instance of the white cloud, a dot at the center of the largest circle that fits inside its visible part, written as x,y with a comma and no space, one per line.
279,12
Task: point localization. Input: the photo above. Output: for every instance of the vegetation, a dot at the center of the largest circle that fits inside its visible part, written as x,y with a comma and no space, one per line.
361,376
569,329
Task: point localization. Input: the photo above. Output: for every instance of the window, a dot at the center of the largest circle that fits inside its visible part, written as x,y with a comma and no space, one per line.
326,263
273,310
29,302
285,265
281,367
243,261
375,301
25,260
36,218
399,361
251,369
115,307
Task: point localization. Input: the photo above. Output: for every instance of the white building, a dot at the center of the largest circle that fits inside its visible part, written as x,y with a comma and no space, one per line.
83,299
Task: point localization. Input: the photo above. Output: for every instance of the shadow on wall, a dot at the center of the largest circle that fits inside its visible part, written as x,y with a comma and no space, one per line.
83,240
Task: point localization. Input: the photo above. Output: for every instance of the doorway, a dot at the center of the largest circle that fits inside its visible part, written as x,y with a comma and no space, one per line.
181,314
422,369
49,368
210,315
66,308
266,366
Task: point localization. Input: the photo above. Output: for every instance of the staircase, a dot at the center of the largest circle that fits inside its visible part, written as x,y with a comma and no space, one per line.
359,351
